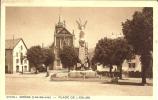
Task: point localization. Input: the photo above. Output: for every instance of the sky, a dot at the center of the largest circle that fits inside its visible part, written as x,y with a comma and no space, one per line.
36,25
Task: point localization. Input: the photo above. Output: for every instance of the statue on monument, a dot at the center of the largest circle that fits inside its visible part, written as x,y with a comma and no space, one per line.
81,27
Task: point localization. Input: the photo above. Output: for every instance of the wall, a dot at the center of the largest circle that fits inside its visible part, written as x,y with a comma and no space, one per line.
9,60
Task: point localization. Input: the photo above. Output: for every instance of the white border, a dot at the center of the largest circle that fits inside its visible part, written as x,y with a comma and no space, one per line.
52,3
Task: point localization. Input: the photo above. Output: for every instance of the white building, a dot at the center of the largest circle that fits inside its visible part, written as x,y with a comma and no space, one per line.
132,65
15,56
128,66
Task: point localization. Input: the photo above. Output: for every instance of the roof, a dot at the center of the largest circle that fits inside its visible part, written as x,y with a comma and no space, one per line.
64,31
11,43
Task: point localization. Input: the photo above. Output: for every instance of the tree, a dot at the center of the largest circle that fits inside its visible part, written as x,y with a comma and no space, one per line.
103,52
34,55
68,57
112,52
139,33
47,57
122,50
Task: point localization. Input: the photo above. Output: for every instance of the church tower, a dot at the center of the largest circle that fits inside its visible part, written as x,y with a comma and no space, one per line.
61,37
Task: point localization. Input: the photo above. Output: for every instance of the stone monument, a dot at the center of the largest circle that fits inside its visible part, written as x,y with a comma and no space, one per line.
83,45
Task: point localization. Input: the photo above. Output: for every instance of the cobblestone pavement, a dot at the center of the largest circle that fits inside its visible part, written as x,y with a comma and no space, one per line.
31,84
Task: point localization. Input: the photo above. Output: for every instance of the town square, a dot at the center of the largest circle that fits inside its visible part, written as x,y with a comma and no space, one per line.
85,51
41,85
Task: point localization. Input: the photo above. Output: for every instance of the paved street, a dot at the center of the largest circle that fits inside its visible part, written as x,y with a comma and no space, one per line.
40,85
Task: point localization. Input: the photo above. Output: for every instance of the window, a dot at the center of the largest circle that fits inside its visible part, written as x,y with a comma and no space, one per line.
58,62
25,68
17,68
17,60
68,42
131,65
21,47
17,54
21,55
6,68
25,61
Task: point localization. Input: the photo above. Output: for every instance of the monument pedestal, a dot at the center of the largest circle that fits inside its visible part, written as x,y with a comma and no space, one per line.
82,56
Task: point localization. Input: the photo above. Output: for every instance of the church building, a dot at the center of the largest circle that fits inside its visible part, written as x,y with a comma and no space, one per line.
62,37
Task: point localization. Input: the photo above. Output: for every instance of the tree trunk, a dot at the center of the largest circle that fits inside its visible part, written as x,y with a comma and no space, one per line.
75,66
22,69
69,69
36,70
47,72
143,75
110,70
145,60
120,75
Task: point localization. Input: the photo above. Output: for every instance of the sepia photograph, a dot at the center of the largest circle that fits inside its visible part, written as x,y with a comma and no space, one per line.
78,51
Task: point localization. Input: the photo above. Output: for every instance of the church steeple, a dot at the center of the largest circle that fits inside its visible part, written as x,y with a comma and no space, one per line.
60,23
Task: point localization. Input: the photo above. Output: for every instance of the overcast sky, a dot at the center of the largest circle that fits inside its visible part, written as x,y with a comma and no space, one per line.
36,24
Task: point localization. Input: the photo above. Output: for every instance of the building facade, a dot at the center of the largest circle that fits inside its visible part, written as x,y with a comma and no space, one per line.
15,56
133,65
62,37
